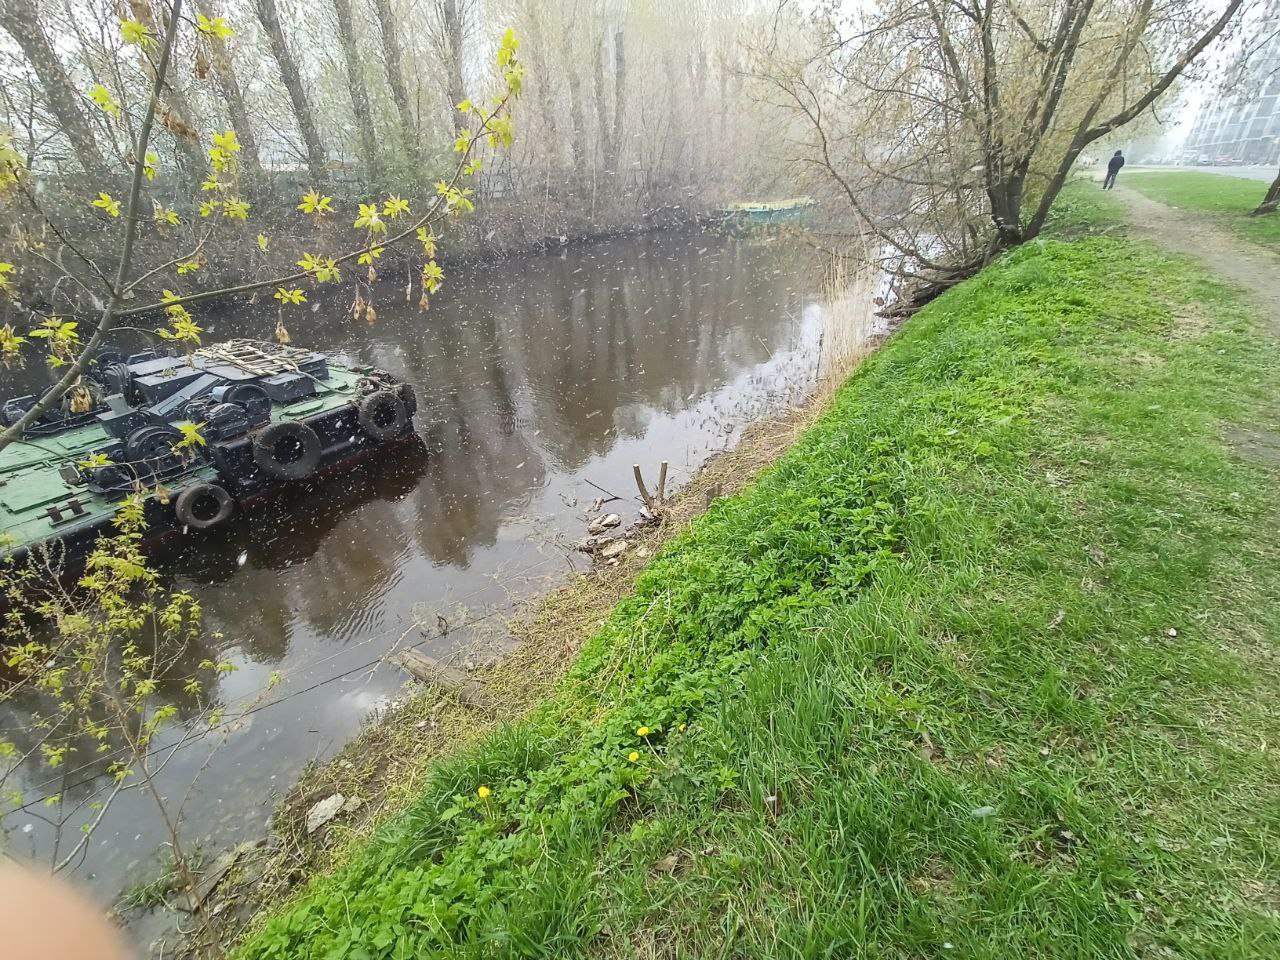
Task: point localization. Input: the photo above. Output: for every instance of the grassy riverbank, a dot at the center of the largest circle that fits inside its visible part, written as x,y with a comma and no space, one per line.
1228,201
984,667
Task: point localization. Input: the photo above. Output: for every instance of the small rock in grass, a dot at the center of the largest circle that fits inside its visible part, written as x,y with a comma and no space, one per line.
323,811
668,864
983,812
615,549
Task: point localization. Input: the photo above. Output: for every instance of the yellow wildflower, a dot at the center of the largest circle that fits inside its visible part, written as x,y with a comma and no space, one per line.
642,731
633,756
681,728
483,792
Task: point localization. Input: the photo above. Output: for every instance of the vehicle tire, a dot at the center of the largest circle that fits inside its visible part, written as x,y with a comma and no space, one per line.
382,415
288,450
120,379
152,442
409,397
253,399
203,505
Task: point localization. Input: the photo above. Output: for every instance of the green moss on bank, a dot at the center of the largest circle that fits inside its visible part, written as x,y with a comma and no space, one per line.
984,667
1227,200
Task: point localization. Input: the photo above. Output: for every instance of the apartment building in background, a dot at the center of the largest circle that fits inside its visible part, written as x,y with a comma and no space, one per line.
1244,125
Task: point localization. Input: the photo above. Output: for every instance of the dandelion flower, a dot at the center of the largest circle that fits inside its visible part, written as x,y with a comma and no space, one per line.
681,728
483,792
642,731
633,756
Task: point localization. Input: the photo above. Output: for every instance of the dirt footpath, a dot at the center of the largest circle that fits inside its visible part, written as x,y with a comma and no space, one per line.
1184,232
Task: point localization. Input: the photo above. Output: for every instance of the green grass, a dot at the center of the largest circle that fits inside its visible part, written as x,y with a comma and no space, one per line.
1081,208
985,667
1228,200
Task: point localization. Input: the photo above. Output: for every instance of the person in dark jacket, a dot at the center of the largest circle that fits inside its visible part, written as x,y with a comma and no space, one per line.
1113,167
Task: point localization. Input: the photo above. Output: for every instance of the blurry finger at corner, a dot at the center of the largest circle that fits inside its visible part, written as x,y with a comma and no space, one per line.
45,918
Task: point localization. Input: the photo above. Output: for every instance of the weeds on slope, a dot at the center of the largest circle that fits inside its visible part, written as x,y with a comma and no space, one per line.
984,667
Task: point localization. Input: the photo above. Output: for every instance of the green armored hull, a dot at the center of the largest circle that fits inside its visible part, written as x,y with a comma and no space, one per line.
269,418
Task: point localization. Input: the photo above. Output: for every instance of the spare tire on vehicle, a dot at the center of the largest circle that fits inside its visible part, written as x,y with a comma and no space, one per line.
288,450
382,415
203,505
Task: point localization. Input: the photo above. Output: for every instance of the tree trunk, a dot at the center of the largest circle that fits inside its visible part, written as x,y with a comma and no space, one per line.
63,101
1272,200
395,77
224,72
1006,198
543,92
269,17
578,140
359,92
175,112
453,40
619,100
578,121
602,106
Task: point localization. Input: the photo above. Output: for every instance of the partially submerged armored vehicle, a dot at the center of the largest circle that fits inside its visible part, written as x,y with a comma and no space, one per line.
267,416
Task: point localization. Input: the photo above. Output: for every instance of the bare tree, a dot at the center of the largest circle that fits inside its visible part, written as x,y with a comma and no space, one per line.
224,72
619,100
605,130
448,35
269,16
578,142
359,90
390,30
173,110
20,20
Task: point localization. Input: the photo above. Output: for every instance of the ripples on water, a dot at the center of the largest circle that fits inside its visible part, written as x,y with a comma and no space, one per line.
537,378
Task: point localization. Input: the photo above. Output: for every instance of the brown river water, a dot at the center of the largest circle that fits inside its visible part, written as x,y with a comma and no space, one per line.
541,380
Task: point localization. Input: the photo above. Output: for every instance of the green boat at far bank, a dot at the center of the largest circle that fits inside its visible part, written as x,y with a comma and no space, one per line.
753,216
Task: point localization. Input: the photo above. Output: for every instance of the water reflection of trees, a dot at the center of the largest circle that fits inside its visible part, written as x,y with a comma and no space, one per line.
554,356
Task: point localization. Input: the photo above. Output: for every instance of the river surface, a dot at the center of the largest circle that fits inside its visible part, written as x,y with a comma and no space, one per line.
541,380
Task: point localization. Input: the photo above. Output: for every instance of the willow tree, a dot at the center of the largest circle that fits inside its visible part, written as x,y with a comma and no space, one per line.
951,128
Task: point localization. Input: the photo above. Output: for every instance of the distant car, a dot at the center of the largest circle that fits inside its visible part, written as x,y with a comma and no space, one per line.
1204,160
1225,160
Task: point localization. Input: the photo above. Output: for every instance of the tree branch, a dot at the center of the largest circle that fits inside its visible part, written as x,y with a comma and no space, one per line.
108,318
1172,74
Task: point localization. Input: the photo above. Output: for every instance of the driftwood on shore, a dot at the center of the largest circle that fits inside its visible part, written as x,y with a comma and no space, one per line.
430,670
